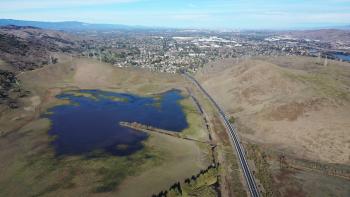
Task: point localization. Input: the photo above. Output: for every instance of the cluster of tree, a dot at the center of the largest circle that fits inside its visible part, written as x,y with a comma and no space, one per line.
161,194
10,89
202,172
176,187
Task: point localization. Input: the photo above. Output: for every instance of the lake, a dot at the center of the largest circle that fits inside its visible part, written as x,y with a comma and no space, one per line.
91,121
343,57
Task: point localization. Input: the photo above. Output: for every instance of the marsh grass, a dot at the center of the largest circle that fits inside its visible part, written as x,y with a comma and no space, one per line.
194,119
113,170
95,96
28,165
40,172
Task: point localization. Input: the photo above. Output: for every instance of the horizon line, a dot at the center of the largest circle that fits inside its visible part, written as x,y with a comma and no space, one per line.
321,27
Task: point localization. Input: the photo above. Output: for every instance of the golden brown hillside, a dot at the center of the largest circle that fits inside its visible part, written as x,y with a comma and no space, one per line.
296,106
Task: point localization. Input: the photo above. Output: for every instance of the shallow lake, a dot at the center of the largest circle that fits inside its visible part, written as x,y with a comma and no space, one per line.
91,121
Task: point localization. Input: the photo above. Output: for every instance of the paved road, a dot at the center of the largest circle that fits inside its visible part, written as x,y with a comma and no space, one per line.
253,189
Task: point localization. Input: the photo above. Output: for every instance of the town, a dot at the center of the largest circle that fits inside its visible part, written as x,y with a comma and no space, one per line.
174,50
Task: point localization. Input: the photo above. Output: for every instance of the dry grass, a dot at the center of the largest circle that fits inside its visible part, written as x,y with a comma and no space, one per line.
181,157
298,109
291,105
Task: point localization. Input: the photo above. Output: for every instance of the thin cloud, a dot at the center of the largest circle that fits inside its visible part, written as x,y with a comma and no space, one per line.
183,13
39,4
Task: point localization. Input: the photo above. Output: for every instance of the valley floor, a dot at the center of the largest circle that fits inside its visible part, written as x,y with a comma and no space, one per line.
28,165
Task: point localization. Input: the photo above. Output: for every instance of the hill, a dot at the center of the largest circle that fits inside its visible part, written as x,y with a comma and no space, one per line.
26,48
67,25
294,105
325,35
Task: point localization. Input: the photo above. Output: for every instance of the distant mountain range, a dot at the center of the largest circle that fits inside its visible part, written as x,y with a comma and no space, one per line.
68,25
75,25
344,27
326,35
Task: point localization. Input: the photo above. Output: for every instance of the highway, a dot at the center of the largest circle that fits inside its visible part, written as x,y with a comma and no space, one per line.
253,189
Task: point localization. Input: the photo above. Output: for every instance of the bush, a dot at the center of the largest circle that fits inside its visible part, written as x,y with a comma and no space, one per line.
232,119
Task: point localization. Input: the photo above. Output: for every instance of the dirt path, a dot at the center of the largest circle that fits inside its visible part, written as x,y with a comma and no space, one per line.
145,128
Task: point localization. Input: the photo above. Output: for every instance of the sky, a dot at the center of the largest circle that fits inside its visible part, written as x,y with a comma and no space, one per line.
211,14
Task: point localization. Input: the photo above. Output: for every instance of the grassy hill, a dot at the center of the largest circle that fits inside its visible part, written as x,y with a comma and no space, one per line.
296,104
293,107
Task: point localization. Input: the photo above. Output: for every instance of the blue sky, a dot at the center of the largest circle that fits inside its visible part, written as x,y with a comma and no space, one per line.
223,14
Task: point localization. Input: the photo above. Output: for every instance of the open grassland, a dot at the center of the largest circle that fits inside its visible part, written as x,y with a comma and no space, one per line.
299,109
295,107
285,177
29,166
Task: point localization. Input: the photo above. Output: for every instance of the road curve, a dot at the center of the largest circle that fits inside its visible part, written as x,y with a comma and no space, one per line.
253,189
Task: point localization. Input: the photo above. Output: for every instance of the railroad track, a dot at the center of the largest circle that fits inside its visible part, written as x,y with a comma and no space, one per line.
253,189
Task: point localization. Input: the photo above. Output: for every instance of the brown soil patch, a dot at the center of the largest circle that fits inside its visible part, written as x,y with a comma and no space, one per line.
291,111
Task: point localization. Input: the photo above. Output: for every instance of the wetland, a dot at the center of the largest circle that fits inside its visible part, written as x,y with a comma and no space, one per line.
89,122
